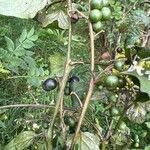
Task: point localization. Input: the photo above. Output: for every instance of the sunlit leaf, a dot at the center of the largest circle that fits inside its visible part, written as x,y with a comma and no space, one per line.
144,82
21,141
22,8
30,33
23,35
59,16
27,44
86,141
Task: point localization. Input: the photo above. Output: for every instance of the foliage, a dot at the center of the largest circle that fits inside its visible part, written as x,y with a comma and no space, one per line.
35,50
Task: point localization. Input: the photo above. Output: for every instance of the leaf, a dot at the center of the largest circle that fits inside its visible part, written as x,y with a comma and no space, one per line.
80,89
23,36
147,124
2,125
132,38
33,38
59,16
27,44
34,81
21,141
57,62
30,33
141,17
86,141
10,44
142,97
19,51
137,112
142,52
144,82
120,138
22,8
147,147
2,70
137,21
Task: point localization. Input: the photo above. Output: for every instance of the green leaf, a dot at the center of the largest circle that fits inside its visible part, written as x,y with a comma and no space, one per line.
137,112
57,62
10,44
27,44
144,82
22,8
59,16
142,97
19,51
23,36
147,147
34,81
142,52
141,17
147,124
30,33
120,138
30,61
21,141
2,125
33,38
2,70
80,89
86,141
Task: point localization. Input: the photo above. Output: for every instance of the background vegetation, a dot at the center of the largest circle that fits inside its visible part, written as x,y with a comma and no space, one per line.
33,50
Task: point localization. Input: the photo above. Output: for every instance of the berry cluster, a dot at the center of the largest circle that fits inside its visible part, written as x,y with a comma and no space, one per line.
100,12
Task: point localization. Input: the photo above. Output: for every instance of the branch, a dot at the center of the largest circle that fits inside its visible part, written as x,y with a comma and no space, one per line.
91,86
68,68
34,106
27,105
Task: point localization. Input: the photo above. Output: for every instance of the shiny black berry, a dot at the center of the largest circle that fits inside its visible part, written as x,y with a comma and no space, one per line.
74,79
49,84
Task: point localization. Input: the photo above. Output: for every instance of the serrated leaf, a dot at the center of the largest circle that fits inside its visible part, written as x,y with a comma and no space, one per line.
136,113
30,33
23,36
10,44
141,17
57,62
30,61
33,38
27,44
21,141
22,8
59,16
132,38
19,51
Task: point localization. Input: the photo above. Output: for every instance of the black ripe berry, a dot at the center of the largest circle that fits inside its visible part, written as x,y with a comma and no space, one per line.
49,84
74,79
